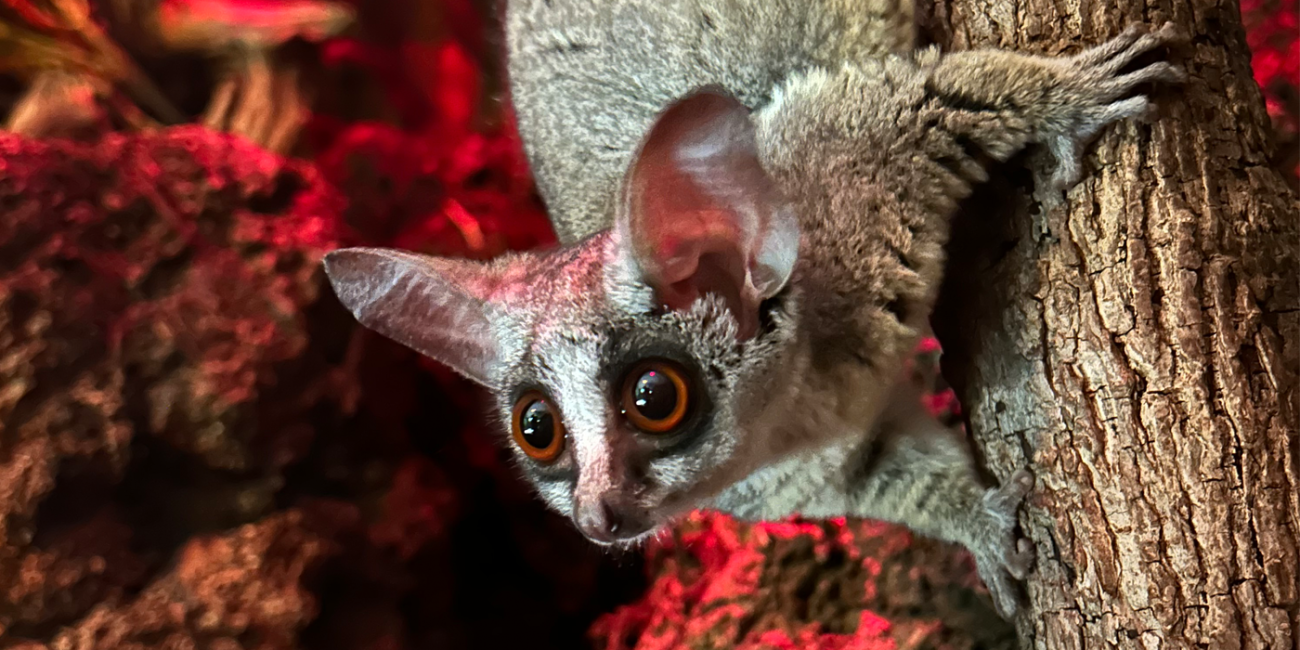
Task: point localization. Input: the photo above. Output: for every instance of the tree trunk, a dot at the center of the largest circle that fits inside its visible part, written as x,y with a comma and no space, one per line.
1140,356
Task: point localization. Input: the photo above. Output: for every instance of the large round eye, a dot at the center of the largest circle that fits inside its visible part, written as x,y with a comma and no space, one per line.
655,396
537,427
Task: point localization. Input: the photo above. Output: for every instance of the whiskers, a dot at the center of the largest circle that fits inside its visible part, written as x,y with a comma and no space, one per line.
624,548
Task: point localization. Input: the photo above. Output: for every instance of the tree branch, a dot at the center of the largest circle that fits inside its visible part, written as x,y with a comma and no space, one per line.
1141,358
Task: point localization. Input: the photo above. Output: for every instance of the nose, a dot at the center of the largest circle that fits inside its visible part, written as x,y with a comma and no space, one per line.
613,518
609,520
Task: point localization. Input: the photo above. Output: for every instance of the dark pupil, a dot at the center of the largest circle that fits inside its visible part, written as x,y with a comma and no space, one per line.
537,425
655,395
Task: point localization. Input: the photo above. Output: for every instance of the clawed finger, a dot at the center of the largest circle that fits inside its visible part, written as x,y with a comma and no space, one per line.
1020,561
1098,54
1162,71
1110,57
1008,497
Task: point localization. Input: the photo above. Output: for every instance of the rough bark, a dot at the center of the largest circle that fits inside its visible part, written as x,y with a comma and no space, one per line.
1141,356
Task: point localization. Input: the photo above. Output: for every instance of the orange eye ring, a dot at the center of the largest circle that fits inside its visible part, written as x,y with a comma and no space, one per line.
532,414
673,401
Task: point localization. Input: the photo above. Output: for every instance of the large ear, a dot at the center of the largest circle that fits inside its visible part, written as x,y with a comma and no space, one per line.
702,215
435,306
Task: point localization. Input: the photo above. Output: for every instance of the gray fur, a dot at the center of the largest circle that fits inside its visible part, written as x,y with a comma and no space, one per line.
870,146
588,78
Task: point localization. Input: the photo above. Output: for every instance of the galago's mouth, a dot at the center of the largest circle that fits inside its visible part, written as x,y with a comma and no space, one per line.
634,542
663,525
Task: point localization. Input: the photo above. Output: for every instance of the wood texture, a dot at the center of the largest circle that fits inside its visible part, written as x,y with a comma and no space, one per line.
1141,355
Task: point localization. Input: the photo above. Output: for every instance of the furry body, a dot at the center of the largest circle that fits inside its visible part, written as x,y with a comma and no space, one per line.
782,240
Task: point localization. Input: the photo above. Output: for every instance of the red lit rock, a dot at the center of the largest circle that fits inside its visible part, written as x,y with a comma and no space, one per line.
152,290
831,585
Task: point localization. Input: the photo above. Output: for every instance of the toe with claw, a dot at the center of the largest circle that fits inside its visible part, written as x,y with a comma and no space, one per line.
1103,92
1002,557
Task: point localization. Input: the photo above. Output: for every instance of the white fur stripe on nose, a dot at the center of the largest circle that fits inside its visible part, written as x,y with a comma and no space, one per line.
595,456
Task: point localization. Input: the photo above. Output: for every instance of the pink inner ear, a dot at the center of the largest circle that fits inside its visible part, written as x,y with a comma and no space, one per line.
698,204
716,273
700,263
675,245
